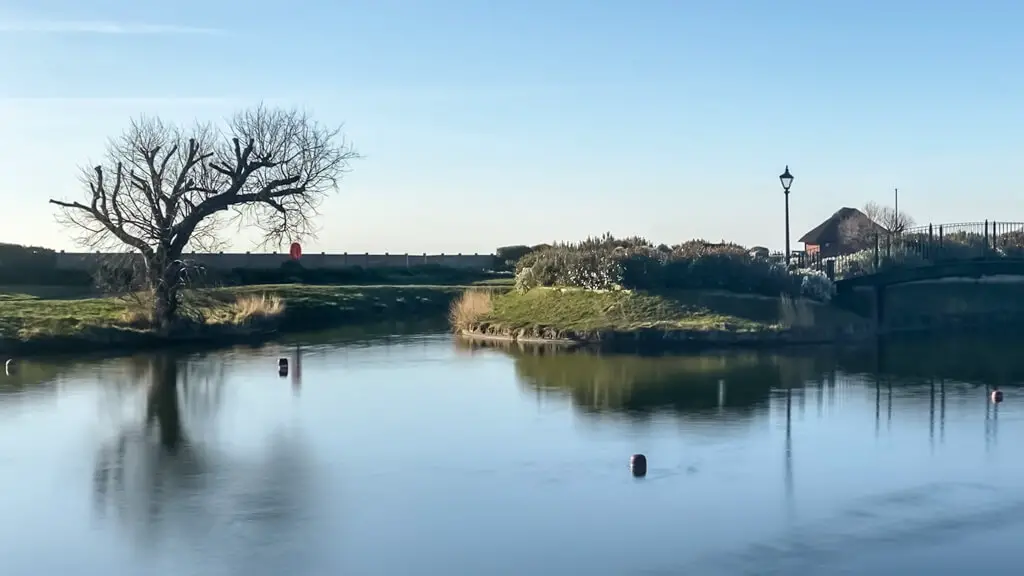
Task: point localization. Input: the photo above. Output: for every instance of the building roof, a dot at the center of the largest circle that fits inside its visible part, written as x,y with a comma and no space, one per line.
828,231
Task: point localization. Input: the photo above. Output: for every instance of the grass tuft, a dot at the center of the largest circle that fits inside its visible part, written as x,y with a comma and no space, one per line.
468,308
249,309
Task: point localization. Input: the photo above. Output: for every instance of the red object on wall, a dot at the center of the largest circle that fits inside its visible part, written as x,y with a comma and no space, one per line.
295,251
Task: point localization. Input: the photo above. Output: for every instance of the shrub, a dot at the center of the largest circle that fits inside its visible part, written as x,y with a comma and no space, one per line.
525,280
607,262
816,285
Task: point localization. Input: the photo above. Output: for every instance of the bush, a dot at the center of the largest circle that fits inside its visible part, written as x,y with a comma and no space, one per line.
816,285
607,262
525,280
507,256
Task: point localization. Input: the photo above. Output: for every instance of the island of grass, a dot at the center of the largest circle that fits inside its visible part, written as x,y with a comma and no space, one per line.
612,292
48,319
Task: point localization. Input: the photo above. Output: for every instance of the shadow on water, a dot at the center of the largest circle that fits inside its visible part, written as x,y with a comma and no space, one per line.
158,472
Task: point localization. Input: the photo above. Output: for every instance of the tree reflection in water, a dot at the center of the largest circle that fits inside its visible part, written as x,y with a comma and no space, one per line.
164,476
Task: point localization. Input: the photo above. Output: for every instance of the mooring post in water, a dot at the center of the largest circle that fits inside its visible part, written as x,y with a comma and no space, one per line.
997,395
721,393
638,465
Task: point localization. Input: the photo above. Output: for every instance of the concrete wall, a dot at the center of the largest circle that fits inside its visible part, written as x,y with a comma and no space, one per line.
955,301
944,303
228,261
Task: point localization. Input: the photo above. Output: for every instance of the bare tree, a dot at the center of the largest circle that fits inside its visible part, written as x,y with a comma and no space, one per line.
859,233
891,222
163,188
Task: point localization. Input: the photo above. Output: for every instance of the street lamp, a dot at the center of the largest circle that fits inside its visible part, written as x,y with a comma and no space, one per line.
787,180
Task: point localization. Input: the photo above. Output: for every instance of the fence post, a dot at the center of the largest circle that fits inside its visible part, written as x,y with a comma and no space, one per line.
931,238
940,235
985,251
406,259
876,251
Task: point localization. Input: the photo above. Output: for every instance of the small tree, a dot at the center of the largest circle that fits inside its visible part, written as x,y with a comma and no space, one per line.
859,233
164,188
507,256
892,222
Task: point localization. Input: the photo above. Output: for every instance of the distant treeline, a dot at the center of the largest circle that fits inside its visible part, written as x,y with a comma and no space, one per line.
507,256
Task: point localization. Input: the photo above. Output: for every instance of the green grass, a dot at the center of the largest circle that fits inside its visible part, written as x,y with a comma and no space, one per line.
29,313
580,311
585,311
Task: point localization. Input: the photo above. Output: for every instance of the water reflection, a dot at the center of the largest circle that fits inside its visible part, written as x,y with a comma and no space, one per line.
404,456
159,471
734,386
740,384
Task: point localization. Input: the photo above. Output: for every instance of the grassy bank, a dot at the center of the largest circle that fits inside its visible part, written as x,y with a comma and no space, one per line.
679,317
49,320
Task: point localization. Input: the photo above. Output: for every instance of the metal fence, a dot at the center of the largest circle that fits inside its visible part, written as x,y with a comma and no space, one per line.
921,246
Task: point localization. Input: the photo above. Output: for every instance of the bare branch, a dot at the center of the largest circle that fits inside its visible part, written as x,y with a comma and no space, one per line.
176,188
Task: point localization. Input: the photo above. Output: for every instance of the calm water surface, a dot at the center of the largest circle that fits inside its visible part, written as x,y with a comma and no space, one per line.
416,455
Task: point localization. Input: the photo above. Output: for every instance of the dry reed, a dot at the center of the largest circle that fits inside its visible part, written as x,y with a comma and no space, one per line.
468,308
795,313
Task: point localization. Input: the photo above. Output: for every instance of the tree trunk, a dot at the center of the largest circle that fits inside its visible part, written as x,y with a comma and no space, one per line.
165,283
162,407
165,307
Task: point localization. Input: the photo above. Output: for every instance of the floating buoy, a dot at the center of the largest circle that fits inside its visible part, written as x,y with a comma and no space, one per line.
997,395
282,363
638,465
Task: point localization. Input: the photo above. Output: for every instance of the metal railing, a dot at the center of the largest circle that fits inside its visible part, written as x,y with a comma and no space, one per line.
921,246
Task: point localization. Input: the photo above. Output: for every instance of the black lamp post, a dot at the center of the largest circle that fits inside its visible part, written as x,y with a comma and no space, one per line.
787,180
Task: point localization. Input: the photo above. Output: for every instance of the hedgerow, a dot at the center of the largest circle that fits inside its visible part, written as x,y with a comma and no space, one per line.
607,262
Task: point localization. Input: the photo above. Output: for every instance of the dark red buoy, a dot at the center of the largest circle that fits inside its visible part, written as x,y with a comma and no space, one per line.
638,465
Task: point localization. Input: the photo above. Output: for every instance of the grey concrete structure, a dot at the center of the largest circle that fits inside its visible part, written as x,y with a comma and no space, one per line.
262,261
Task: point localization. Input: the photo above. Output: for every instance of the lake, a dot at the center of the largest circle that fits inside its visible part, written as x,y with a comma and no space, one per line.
416,454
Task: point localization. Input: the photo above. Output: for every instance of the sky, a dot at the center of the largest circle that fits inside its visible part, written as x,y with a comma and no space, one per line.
485,123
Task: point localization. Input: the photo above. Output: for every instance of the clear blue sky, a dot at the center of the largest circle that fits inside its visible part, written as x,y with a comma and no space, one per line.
487,123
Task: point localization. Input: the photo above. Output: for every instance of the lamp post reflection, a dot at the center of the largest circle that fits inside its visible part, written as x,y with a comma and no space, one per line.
878,404
789,445
942,411
931,414
297,373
